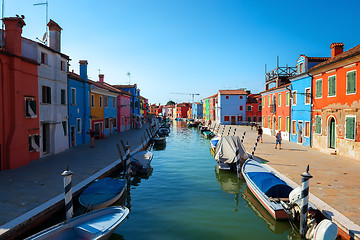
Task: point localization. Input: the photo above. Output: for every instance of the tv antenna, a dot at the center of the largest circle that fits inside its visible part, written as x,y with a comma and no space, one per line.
191,94
129,75
46,35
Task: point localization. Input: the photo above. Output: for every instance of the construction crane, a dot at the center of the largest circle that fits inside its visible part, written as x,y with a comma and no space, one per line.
191,94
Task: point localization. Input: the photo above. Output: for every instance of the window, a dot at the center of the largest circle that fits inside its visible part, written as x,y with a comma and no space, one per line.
301,67
63,96
34,143
106,101
240,97
78,125
287,99
92,100
318,88
249,119
44,58
260,108
106,123
332,86
239,118
279,123
307,95
114,103
226,97
114,122
351,82
260,119
226,118
46,94
318,124
279,100
350,127
263,102
288,124
64,125
269,100
269,122
62,66
294,97
73,96
263,121
30,108
293,127
101,99
249,107
241,108
307,129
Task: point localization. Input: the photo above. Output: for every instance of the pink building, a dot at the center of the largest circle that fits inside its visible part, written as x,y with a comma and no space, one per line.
123,111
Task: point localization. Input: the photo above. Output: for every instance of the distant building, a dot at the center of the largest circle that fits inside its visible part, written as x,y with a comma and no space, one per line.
209,108
181,110
197,111
135,97
231,106
336,102
253,108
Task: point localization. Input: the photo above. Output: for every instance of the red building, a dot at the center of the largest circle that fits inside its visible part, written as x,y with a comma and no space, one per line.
253,108
19,101
182,109
159,110
336,100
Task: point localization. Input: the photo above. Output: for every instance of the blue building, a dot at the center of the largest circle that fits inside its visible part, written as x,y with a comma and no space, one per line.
197,111
300,131
135,98
230,107
78,106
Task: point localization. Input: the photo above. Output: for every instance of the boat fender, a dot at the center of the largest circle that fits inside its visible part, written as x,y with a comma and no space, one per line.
325,230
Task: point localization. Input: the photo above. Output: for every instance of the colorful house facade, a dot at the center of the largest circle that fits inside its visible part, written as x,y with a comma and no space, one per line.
182,109
79,106
123,111
135,97
197,110
336,102
19,101
253,108
300,128
53,108
231,107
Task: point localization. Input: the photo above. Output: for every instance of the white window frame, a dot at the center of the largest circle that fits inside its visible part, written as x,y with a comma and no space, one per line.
78,125
329,86
322,87
101,99
353,116
73,101
30,110
355,82
33,143
279,99
306,96
309,129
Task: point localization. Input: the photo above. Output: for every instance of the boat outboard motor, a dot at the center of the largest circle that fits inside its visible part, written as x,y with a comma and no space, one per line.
295,202
325,230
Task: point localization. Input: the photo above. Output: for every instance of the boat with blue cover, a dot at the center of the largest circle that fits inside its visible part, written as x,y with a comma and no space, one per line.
94,225
267,187
102,193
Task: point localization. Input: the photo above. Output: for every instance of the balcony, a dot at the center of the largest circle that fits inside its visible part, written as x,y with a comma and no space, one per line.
280,72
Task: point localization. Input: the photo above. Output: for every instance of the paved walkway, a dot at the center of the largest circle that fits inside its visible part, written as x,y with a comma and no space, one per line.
336,180
24,189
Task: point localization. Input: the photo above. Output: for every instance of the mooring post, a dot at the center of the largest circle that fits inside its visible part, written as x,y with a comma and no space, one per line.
123,145
127,157
304,201
68,193
242,138
238,163
257,140
229,131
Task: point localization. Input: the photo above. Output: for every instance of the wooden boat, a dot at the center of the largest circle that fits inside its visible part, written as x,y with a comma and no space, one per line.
159,140
204,128
164,131
192,124
102,193
208,134
267,187
95,225
230,153
140,162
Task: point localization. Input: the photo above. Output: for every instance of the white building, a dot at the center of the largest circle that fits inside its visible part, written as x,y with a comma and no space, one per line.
230,107
53,109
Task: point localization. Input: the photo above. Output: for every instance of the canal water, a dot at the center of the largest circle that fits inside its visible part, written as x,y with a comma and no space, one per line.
187,198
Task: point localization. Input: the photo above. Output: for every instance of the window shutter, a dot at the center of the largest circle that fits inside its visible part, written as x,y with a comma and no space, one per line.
48,94
33,106
351,82
318,124
332,86
350,124
27,114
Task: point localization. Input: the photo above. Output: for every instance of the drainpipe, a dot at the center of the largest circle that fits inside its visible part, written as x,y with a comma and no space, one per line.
311,103
2,165
290,103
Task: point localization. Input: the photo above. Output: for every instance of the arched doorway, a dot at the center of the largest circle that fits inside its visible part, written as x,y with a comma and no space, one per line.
331,133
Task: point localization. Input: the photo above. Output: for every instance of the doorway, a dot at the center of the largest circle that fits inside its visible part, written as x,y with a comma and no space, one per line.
331,131
72,132
233,120
300,132
46,138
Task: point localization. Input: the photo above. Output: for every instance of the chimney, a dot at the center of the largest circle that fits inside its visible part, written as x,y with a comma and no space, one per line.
13,31
55,35
83,70
336,49
101,78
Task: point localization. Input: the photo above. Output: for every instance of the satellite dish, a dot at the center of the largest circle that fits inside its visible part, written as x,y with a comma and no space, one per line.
44,39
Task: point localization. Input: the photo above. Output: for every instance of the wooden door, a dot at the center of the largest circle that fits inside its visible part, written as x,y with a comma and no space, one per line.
233,120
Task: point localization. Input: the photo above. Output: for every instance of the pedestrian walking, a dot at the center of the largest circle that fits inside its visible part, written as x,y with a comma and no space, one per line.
278,139
92,138
260,132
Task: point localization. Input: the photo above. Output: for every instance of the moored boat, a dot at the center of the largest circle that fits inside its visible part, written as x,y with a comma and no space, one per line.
208,134
140,162
164,131
102,193
95,225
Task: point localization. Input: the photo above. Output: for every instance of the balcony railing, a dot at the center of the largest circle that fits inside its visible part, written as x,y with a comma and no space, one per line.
280,72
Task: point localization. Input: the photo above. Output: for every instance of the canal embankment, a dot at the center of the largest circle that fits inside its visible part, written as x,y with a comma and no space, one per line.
31,194
334,188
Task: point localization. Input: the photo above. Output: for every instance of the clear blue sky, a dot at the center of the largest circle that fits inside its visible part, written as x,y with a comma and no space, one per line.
191,46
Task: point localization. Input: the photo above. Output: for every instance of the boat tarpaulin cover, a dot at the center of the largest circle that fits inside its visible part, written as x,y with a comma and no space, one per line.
226,150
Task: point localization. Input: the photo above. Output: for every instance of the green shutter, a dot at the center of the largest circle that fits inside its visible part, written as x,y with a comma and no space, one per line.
350,125
332,86
351,82
319,88
318,124
279,100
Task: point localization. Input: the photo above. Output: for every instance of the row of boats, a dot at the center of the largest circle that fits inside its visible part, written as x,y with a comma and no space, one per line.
276,196
98,196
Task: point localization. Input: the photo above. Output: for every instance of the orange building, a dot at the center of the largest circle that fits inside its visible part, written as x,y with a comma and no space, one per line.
19,101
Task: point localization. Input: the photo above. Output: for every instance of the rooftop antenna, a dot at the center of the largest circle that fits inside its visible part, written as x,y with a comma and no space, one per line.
46,35
99,71
129,75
